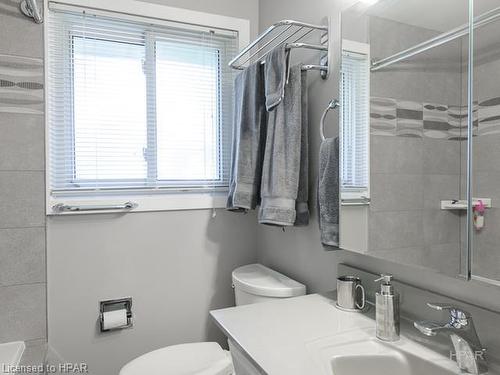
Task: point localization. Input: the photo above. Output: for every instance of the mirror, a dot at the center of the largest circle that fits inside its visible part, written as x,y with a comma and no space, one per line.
403,130
485,178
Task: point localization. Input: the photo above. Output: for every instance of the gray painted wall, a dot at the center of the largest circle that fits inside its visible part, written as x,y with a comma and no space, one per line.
298,252
22,203
176,265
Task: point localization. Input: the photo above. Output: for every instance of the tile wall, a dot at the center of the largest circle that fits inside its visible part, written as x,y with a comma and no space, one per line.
22,175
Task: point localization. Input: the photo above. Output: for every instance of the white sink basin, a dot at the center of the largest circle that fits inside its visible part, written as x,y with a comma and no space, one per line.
359,352
374,358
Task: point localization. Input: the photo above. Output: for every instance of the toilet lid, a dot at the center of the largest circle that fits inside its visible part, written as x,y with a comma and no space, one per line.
262,281
203,358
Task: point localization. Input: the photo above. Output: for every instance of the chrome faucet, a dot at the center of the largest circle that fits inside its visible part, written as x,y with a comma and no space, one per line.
469,353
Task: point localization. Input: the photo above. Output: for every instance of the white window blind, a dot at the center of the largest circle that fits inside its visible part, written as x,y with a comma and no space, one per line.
355,122
136,106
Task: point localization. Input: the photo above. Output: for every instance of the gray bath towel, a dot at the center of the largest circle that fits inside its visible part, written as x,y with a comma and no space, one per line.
328,192
276,75
281,167
301,205
248,134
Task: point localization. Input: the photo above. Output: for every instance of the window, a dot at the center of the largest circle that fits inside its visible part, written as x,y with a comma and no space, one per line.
135,107
354,116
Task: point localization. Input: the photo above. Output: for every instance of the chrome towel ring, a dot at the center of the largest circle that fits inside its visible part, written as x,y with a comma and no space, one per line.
334,103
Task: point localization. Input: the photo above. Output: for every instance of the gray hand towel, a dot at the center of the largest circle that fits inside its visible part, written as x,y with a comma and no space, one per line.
328,192
281,167
248,134
301,205
276,75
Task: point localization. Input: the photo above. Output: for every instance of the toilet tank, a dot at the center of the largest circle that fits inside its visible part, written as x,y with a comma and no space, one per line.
255,283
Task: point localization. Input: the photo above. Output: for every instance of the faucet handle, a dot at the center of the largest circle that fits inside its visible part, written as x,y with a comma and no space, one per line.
454,310
458,318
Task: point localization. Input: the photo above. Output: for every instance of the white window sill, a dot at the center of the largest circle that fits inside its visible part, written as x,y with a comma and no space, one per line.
142,203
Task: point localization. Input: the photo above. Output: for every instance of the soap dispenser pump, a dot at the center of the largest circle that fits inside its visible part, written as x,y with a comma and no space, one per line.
387,310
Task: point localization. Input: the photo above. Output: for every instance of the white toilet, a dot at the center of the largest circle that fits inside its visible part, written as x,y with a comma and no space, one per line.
253,283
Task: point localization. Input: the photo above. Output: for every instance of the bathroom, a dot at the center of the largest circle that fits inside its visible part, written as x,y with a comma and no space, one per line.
97,275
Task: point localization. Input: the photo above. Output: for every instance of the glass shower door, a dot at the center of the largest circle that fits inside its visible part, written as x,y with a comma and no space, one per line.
484,224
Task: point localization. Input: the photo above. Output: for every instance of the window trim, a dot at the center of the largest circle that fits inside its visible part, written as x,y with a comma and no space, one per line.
359,193
156,199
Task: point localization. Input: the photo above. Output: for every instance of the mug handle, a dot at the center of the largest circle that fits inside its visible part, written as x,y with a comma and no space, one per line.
363,299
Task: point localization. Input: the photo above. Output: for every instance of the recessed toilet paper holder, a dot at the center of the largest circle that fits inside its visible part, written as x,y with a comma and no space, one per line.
116,304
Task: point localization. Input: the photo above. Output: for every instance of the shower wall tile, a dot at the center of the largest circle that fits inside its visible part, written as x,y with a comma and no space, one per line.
419,79
395,229
431,120
22,177
20,35
457,121
396,192
21,85
396,155
441,156
440,227
438,187
486,257
490,233
409,118
486,153
489,116
23,312
435,117
22,142
444,258
383,116
426,145
23,256
487,185
22,199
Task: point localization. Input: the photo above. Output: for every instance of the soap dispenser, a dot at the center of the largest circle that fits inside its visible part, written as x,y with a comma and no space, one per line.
387,310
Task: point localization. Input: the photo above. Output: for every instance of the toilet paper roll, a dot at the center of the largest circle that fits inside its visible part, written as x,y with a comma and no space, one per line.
114,319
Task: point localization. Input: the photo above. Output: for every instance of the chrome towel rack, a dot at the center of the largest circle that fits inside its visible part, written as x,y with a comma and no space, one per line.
334,103
291,33
60,207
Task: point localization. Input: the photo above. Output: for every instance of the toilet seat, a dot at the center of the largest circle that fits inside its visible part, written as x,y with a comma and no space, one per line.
202,358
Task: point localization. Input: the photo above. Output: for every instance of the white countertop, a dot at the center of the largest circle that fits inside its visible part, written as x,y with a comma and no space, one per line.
284,337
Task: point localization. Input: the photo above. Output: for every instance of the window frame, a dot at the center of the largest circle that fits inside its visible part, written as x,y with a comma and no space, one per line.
71,127
157,199
359,196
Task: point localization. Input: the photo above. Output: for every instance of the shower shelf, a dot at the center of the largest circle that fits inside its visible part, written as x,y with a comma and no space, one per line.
461,204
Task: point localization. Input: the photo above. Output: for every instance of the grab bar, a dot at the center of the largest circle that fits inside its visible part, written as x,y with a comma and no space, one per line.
61,207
